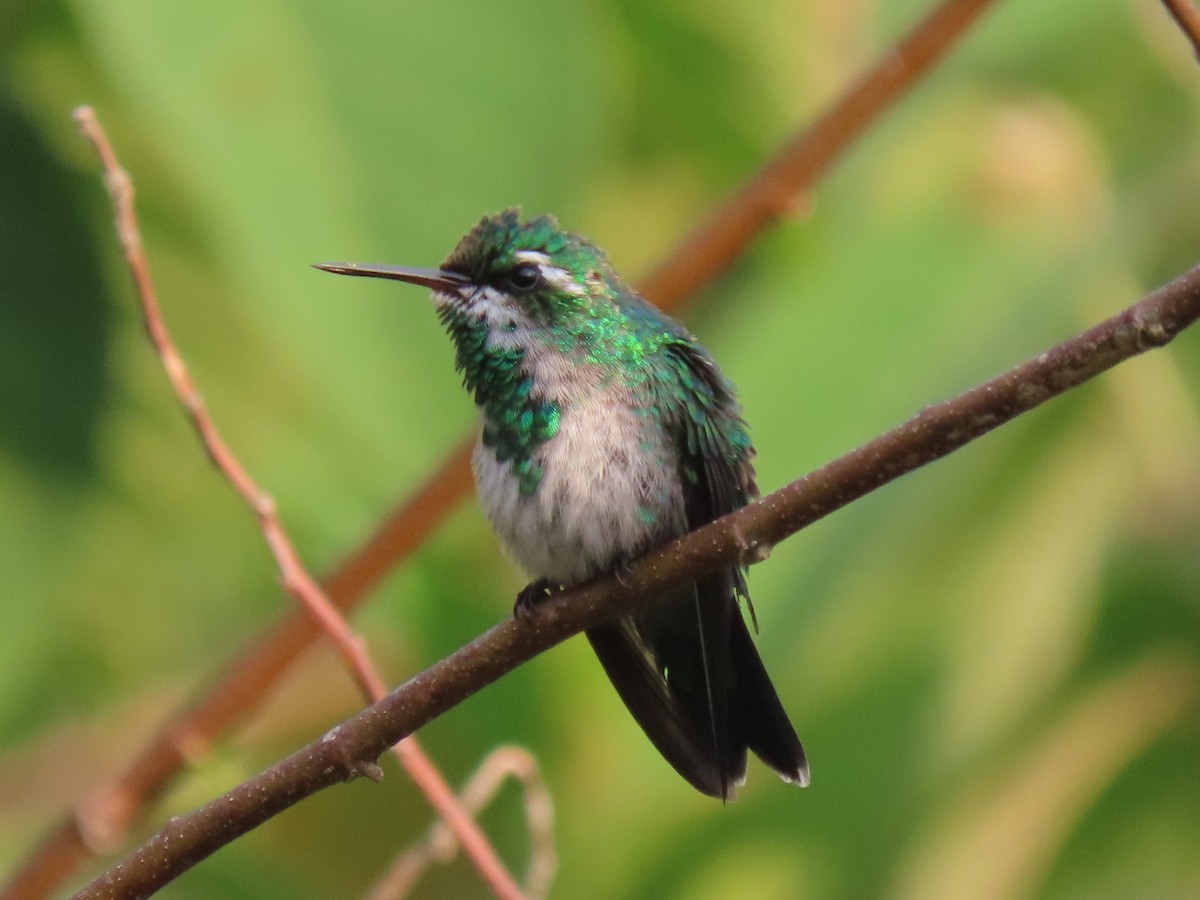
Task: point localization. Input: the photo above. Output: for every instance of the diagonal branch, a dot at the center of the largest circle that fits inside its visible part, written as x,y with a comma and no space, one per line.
778,187
1187,17
498,767
100,820
737,538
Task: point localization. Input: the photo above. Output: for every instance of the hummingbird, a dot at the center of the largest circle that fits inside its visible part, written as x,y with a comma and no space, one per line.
607,429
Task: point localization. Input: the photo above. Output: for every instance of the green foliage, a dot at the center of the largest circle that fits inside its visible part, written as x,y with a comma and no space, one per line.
994,664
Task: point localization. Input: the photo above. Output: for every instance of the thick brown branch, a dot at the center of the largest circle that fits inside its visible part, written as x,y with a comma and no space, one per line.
935,432
102,818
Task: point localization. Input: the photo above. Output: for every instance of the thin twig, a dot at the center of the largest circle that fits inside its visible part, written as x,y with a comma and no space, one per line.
293,574
1187,17
480,789
100,821
734,539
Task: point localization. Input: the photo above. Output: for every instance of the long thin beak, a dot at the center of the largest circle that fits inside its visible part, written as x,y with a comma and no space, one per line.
437,279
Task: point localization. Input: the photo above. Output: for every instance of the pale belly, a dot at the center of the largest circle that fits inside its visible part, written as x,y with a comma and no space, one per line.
605,495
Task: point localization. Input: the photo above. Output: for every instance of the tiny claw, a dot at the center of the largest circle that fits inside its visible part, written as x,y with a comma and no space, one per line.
529,598
622,569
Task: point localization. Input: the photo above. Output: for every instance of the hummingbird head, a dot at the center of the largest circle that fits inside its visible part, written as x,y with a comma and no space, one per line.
518,299
540,320
515,276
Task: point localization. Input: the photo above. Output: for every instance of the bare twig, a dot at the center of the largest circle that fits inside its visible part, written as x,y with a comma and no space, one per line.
101,819
1187,17
933,433
481,788
293,574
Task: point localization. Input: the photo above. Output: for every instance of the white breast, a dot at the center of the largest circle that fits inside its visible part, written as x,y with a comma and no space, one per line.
605,495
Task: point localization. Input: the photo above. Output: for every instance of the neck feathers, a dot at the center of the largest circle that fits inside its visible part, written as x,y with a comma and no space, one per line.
516,418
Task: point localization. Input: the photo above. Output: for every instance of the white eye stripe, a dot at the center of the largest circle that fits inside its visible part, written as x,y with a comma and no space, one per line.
551,274
561,279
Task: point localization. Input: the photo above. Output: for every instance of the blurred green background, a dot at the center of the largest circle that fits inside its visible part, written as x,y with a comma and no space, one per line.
994,663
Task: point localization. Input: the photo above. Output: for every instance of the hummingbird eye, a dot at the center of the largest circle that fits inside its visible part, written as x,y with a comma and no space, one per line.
524,278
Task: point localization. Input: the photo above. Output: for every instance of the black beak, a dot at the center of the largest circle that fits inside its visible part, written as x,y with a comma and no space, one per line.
437,279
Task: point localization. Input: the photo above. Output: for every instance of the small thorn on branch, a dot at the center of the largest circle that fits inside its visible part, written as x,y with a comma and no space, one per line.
370,770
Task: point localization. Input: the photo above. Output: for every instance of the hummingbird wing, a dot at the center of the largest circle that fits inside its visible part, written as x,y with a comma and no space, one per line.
715,462
686,666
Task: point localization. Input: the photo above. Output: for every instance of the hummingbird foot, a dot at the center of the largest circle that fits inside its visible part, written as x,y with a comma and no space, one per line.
531,596
621,571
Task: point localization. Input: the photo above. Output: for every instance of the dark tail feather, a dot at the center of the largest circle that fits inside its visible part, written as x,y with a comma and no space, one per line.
688,671
758,716
682,740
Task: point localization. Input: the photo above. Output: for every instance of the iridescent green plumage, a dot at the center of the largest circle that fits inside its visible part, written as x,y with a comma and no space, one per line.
495,243
601,320
516,421
608,429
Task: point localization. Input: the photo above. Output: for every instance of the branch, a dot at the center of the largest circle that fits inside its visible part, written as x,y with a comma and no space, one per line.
779,186
101,819
1187,17
293,574
499,765
732,540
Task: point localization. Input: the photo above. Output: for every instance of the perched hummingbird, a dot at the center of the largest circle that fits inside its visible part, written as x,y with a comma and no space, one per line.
608,429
